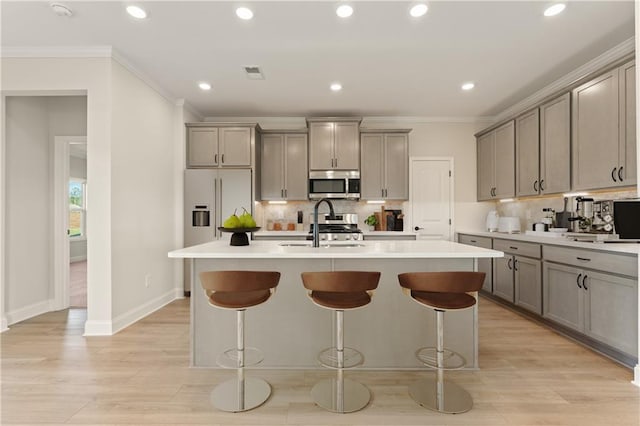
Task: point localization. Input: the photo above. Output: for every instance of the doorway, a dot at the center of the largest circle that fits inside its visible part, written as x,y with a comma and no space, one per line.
431,195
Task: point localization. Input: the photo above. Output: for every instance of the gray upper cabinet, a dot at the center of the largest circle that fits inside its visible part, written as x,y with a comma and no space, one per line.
385,166
528,153
202,147
219,146
603,130
627,159
496,163
334,145
284,173
555,146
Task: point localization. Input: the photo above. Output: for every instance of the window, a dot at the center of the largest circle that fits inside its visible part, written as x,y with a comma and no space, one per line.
77,208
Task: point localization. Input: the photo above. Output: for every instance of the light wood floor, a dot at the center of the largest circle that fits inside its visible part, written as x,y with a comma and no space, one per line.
529,376
78,284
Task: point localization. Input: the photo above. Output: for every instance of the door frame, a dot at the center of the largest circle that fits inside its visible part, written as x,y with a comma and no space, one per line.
61,243
412,161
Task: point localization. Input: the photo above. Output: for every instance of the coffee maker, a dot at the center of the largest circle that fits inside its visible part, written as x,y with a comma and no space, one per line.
583,218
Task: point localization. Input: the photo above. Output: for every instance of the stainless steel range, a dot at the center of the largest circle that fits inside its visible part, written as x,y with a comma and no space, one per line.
343,228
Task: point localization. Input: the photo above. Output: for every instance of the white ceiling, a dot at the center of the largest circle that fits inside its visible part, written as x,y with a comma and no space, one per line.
389,63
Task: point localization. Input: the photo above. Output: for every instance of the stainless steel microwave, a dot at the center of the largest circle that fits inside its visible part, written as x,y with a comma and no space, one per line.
334,184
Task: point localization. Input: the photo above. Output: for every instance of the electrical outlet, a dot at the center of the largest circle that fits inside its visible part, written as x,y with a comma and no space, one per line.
147,280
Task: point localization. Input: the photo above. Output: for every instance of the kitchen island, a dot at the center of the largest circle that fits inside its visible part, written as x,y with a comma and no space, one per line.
291,330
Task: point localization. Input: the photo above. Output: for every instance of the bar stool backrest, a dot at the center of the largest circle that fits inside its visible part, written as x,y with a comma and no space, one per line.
341,281
238,281
442,282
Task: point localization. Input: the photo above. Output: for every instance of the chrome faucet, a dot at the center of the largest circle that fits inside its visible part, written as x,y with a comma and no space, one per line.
332,216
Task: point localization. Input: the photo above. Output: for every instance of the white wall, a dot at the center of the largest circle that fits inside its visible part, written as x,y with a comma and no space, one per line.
142,197
28,210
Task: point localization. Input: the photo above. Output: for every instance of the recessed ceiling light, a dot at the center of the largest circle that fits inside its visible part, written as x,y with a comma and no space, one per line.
555,9
137,12
468,86
344,11
336,87
244,13
418,10
61,9
204,86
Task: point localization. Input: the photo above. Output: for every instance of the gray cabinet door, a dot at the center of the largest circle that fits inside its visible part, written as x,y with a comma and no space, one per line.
595,133
235,146
372,174
347,146
202,147
627,158
396,169
563,300
611,310
484,265
555,145
485,165
321,146
505,179
295,170
528,283
527,153
503,277
272,167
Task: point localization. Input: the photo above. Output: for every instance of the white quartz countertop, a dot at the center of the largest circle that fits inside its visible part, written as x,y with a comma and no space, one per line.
629,248
305,233
366,249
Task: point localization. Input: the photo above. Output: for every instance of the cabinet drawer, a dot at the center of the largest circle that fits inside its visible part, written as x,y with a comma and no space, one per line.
471,240
615,263
518,247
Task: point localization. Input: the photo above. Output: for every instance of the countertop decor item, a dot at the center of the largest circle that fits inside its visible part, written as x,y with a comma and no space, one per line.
371,221
239,236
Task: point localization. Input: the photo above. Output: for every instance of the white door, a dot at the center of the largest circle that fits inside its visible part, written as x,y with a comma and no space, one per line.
431,198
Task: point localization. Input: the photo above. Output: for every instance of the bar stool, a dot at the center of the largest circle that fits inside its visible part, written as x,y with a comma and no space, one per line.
239,290
441,291
340,291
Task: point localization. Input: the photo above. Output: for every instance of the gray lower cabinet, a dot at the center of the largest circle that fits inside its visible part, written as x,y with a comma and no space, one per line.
385,165
527,280
484,265
603,153
503,285
283,170
496,163
601,305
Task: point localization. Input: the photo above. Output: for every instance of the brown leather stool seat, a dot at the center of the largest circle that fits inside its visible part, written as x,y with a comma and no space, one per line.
239,290
340,291
441,291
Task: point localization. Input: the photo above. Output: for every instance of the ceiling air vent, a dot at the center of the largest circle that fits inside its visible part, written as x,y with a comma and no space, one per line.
253,72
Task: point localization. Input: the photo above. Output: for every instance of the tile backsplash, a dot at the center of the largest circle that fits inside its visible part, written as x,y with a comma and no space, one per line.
529,210
288,213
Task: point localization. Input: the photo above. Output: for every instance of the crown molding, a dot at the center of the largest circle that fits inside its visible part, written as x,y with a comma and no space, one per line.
187,106
424,120
56,52
618,52
119,58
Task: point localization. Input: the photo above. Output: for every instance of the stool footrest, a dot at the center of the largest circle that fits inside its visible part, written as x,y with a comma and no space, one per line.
450,360
230,358
351,358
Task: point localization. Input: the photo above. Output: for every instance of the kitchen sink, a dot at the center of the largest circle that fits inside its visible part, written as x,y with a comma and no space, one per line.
321,245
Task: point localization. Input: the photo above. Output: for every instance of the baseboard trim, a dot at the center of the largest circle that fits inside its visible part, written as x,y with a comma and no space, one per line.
636,375
136,314
98,328
30,311
3,324
78,259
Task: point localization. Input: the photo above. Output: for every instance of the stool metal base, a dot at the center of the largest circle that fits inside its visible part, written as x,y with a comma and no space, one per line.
451,360
330,358
240,395
453,399
231,358
340,395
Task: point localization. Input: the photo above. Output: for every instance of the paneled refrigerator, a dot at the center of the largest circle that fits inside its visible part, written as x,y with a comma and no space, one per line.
210,196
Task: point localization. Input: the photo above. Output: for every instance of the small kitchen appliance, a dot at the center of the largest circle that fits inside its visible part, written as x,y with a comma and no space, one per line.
509,224
492,221
338,184
343,228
